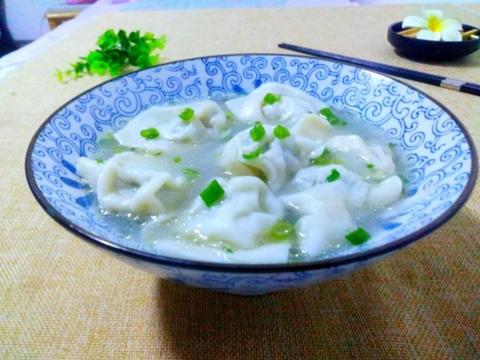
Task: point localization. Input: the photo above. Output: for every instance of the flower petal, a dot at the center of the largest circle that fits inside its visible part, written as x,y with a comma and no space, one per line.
414,21
433,13
425,34
451,35
452,24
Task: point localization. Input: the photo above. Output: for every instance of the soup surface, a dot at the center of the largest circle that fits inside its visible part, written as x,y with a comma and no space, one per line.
271,177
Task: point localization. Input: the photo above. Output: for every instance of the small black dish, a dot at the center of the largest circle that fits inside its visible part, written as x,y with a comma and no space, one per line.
430,50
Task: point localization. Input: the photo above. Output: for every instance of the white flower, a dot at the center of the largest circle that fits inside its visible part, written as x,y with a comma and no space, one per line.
434,26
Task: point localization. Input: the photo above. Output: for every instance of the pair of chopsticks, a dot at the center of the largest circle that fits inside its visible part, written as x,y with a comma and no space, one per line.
448,83
410,32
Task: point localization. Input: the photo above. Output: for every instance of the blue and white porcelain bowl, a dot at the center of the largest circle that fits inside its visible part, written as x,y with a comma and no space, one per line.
440,156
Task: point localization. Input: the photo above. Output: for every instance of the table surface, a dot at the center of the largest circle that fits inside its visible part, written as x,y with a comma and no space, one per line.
62,298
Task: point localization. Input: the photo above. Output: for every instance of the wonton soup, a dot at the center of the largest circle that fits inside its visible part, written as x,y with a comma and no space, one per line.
271,177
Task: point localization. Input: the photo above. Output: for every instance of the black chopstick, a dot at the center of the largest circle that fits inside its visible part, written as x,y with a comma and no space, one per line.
453,84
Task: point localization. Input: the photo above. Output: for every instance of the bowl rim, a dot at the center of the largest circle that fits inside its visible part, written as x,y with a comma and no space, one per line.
432,42
250,268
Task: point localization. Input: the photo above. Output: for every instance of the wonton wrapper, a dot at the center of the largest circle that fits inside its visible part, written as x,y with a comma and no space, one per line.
273,165
248,210
132,183
209,119
324,207
356,154
293,104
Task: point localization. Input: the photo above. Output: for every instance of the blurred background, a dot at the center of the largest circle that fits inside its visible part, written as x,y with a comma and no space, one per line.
23,21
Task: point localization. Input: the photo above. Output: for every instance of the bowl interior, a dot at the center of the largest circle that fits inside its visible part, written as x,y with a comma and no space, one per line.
438,153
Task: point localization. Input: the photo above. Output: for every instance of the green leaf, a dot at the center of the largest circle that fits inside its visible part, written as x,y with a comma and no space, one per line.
93,56
212,193
257,132
331,117
150,133
270,98
334,176
108,39
59,75
281,132
134,37
99,67
357,237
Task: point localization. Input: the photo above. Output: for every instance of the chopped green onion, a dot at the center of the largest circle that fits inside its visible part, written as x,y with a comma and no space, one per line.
325,159
281,132
257,132
331,117
392,145
227,249
334,175
108,136
186,115
357,237
370,166
230,117
254,154
192,173
281,230
270,98
212,193
119,149
100,161
150,133
177,159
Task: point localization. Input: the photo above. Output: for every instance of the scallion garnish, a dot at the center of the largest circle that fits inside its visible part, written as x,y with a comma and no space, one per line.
257,132
100,161
325,159
119,149
212,193
230,117
254,154
108,136
192,173
357,237
281,132
177,159
370,166
227,249
281,230
270,98
186,115
334,175
333,119
150,133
